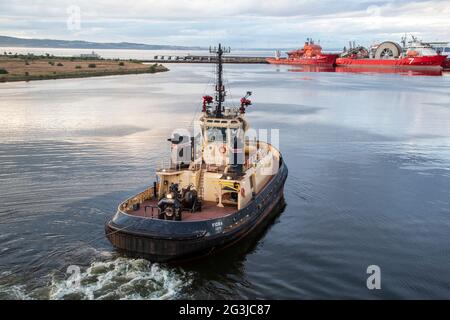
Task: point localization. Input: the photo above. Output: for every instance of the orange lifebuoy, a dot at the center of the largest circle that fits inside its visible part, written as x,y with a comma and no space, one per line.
223,149
243,192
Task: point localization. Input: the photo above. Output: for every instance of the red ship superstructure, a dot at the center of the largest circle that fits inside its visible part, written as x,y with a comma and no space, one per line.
310,54
391,55
443,48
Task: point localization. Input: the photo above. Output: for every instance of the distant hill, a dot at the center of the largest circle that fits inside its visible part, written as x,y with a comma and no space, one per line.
77,44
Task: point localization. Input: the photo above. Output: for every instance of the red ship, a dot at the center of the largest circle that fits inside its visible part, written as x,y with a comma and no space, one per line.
310,54
407,62
391,55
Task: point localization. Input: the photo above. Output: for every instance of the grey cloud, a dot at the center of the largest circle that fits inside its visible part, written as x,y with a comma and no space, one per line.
238,22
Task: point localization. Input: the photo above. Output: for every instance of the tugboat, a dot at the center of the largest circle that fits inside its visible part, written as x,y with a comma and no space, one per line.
310,54
219,187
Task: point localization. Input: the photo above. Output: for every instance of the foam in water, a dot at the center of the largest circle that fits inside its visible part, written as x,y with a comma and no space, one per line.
121,278
15,292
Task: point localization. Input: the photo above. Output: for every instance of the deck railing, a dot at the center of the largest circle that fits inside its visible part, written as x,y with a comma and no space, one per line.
137,199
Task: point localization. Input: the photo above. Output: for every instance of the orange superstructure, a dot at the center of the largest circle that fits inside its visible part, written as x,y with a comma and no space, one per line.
310,54
309,50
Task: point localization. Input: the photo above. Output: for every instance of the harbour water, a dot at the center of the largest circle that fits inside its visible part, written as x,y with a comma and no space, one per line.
369,184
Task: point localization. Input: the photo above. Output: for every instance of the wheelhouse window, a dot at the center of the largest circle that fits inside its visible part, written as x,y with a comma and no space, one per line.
215,134
233,133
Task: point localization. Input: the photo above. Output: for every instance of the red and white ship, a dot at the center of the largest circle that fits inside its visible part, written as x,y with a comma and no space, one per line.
391,55
310,54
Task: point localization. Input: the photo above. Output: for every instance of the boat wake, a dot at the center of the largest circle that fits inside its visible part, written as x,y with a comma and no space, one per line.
15,292
121,278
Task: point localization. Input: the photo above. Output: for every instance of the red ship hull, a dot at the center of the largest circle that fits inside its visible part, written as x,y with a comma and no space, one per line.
398,70
446,65
323,59
407,62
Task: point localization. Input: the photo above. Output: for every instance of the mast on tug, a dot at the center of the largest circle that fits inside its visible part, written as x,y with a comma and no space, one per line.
217,111
220,88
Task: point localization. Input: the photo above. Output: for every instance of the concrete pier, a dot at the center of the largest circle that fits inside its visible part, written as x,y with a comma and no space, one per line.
203,59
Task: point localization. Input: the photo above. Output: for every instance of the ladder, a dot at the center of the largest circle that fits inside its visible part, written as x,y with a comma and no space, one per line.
201,180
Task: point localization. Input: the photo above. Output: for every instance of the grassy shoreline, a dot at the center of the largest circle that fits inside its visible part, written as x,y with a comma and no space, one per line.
31,68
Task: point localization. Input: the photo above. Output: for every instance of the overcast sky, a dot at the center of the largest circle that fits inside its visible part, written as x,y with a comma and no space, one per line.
238,23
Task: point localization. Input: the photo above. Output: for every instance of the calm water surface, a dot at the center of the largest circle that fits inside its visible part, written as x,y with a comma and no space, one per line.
369,183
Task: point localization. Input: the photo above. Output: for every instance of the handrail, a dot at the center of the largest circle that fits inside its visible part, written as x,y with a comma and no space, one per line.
262,150
139,198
